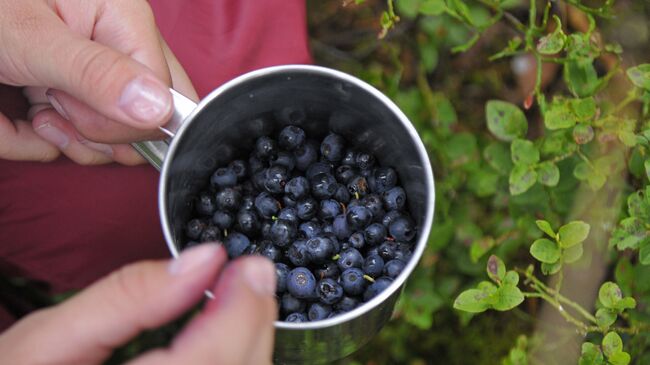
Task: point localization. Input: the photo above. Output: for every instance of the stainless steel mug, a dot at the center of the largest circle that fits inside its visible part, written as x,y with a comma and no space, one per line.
225,124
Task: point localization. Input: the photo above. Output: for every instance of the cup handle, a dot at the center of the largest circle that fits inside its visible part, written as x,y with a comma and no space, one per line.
155,151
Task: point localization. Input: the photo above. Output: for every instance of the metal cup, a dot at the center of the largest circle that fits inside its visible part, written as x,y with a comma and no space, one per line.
224,126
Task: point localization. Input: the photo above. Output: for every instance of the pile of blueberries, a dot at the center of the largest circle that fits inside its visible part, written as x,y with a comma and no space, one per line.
333,221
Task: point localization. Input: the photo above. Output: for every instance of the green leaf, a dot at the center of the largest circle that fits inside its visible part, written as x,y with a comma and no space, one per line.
521,179
548,173
505,120
496,269
627,138
545,227
612,344
573,253
472,300
545,251
619,358
644,255
640,75
581,77
550,269
432,7
583,109
483,182
559,115
583,133
573,233
498,157
591,355
479,247
554,42
625,303
508,297
646,166
511,278
605,317
524,152
609,294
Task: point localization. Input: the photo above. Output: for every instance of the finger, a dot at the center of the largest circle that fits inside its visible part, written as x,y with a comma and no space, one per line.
235,328
110,312
19,142
180,80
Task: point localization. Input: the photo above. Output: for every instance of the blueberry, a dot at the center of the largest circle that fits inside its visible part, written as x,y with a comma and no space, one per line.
357,240
275,178
385,179
350,258
342,194
387,250
236,243
318,168
375,234
377,287
194,228
402,229
358,217
291,137
344,174
296,318
228,199
375,204
365,161
291,304
298,253
283,232
239,168
305,155
393,268
328,270
253,249
341,228
270,251
394,198
297,188
389,217
247,202
307,209
403,251
349,158
248,222
358,186
266,229
265,148
329,291
318,311
309,229
281,272
320,249
333,147
346,304
284,159
327,228
335,241
288,202
266,205
210,234
323,186
255,164
373,266
223,177
222,219
329,209
205,205
352,281
301,283
289,214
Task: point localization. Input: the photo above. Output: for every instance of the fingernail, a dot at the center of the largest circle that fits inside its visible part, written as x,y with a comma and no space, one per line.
193,259
145,99
57,105
99,147
259,274
53,135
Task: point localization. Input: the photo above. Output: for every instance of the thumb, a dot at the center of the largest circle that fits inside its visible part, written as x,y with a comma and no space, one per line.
86,328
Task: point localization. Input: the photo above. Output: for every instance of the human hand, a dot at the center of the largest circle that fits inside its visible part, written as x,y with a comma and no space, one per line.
234,328
105,68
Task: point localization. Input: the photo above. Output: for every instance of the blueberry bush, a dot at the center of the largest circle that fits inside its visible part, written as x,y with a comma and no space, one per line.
536,118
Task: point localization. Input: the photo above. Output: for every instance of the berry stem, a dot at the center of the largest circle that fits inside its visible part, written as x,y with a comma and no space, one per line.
369,278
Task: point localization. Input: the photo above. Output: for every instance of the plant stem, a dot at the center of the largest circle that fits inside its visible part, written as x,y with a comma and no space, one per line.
631,96
585,159
511,18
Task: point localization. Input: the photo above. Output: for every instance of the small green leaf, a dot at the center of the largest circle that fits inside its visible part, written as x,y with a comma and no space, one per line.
496,269
508,297
545,251
524,152
640,75
521,179
619,358
583,109
646,166
573,253
432,7
554,42
627,138
625,303
609,294
548,173
511,278
498,157
573,233
605,317
612,344
550,269
644,255
505,120
591,355
583,133
472,300
581,77
545,227
479,247
559,116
